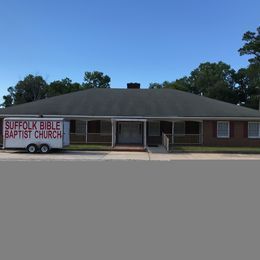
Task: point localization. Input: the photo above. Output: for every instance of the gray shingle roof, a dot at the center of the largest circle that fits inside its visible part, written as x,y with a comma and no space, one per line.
131,102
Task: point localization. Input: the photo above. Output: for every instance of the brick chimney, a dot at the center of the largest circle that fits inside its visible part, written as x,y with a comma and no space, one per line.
133,85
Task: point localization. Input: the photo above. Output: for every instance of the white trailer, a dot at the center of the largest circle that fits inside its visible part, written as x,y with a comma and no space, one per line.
36,134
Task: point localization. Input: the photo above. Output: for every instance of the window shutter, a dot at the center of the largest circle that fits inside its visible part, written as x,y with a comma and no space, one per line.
245,129
231,129
214,128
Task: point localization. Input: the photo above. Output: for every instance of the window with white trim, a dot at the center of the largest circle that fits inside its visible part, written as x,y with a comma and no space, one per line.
154,128
105,127
253,129
223,130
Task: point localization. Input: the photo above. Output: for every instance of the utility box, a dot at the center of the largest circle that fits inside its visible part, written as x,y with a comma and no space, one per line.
36,134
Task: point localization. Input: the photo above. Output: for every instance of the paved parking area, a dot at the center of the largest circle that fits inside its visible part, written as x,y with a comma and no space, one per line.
129,210
154,155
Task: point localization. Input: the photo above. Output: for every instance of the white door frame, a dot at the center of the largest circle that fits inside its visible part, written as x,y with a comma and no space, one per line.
115,120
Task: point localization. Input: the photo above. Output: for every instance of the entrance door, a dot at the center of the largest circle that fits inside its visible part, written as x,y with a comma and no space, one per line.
130,133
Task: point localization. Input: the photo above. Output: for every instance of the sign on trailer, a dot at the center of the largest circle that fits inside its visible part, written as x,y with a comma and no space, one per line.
22,132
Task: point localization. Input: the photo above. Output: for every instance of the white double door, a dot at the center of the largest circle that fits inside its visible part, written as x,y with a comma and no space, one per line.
130,133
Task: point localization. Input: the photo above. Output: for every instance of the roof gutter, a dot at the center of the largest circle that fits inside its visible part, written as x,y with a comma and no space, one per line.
172,118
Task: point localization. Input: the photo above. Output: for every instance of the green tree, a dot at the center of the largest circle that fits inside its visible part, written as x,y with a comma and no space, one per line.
252,45
29,89
248,85
167,84
64,86
182,84
248,79
214,80
96,79
242,80
155,85
8,99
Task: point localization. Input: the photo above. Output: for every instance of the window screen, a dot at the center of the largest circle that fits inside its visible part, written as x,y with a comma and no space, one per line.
179,128
223,129
154,128
80,127
253,130
105,127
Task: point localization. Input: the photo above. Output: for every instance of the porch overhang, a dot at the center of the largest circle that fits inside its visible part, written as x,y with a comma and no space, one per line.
128,119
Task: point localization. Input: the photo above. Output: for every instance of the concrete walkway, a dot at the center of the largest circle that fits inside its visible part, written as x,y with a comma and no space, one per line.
154,154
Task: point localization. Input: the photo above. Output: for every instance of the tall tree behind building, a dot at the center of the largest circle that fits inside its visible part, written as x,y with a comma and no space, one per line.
96,79
214,80
31,88
64,86
248,79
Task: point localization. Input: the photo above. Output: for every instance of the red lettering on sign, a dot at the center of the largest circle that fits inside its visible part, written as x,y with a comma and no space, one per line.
7,125
22,129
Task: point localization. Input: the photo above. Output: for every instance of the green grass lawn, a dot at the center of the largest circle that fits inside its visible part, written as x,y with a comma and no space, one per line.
191,149
77,147
215,149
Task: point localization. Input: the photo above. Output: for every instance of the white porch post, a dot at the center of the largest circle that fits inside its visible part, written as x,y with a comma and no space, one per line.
173,132
112,126
113,123
86,131
145,135
201,132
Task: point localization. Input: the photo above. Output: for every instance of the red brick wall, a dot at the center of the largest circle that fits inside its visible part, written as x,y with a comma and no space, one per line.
238,135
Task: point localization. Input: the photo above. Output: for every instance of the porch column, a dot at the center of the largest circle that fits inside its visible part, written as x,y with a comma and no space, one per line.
173,132
145,127
201,132
113,123
86,131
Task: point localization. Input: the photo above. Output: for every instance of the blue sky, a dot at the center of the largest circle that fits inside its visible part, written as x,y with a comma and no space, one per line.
141,41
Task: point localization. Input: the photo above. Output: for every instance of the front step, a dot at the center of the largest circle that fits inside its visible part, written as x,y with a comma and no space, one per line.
129,148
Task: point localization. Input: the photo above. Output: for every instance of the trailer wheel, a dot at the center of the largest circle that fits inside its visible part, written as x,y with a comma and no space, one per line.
31,148
44,148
